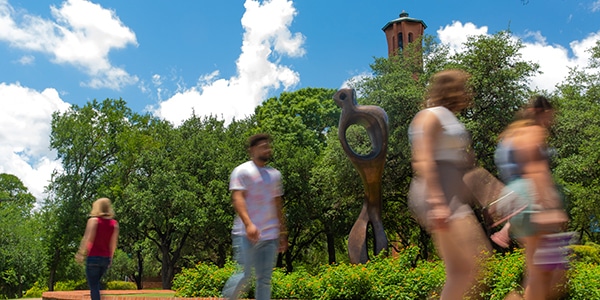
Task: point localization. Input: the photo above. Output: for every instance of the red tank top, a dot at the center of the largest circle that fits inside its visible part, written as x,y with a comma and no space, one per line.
104,231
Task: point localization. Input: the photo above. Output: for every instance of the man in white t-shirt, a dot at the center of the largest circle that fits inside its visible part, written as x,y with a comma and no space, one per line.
259,228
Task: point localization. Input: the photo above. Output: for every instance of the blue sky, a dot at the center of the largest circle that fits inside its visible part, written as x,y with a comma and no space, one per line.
225,57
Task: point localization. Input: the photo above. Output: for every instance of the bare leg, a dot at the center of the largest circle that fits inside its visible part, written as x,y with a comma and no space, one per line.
463,247
537,282
558,283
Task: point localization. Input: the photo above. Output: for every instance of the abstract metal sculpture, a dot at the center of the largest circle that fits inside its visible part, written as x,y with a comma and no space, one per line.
370,167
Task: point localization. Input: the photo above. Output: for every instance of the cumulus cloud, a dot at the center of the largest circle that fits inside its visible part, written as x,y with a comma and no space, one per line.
554,60
266,39
25,120
81,34
456,34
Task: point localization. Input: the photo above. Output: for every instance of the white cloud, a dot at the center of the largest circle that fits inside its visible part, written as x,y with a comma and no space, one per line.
456,34
81,34
266,39
596,6
25,129
26,60
554,60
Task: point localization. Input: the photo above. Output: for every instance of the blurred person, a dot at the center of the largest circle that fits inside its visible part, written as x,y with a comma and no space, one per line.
438,197
259,230
98,244
523,163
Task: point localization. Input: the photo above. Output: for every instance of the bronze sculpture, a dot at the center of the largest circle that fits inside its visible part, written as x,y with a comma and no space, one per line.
370,167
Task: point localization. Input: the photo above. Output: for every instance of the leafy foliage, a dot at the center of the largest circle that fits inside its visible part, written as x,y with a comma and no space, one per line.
120,285
20,236
499,82
576,138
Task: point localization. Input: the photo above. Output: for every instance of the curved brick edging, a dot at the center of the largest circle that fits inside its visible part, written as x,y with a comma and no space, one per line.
114,295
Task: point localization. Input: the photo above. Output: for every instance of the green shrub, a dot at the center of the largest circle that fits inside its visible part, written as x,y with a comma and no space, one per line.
396,278
584,281
503,274
68,285
81,285
590,252
204,280
344,281
296,285
35,291
391,278
120,285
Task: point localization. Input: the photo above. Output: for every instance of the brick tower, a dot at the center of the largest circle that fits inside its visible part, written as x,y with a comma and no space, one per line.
401,31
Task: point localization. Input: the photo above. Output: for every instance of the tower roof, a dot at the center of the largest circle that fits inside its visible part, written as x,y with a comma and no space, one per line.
403,17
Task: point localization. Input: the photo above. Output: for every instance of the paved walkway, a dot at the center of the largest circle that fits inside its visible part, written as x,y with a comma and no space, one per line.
115,295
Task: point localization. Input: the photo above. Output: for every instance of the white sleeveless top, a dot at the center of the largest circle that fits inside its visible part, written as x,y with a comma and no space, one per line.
454,139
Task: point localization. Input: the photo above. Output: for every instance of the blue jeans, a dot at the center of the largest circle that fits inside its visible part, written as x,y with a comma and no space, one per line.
95,267
259,257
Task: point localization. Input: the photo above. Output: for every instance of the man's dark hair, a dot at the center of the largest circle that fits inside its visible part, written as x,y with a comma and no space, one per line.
255,139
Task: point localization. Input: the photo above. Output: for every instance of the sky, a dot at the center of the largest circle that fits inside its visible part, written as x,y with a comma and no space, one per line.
223,58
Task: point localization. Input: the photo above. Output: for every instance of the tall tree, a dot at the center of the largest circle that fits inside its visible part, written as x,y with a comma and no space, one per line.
160,194
21,238
298,122
87,142
499,82
576,138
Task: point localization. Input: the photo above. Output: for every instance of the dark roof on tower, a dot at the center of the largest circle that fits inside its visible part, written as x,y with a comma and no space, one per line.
403,17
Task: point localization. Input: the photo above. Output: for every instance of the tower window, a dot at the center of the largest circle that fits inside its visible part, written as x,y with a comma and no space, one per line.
400,41
410,37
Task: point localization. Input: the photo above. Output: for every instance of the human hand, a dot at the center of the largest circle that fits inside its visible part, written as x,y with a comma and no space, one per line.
79,258
438,216
252,233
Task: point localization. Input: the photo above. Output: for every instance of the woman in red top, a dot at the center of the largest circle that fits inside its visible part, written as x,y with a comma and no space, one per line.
98,244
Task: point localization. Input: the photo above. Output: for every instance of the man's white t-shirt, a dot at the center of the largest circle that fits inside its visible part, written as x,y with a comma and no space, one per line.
262,185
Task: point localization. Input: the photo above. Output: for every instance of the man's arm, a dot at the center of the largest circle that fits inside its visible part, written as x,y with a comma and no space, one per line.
239,204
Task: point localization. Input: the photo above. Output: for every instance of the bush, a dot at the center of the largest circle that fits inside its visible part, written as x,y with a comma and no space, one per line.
503,274
296,285
590,252
68,285
35,291
121,285
344,281
584,281
391,278
204,280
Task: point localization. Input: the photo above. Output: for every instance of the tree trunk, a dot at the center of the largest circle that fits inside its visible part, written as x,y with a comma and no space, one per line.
221,255
331,246
288,261
140,267
53,267
167,269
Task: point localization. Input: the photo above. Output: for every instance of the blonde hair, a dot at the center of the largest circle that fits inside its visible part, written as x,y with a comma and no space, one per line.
512,128
102,208
528,116
448,88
